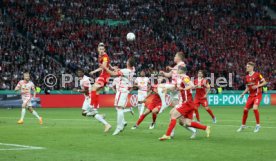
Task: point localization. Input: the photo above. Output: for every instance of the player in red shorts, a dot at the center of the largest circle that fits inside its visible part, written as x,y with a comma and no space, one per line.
103,78
202,88
254,83
186,110
153,104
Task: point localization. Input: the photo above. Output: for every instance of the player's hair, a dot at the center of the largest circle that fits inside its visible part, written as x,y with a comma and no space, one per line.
180,54
101,44
182,68
26,72
251,63
80,69
131,61
202,71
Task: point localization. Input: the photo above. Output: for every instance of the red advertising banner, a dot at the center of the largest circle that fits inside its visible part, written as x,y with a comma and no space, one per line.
273,99
75,101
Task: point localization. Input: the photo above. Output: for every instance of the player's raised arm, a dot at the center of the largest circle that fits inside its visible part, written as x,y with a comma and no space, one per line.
112,73
95,71
166,74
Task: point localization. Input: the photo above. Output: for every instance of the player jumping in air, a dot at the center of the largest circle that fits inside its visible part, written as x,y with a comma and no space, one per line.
179,60
126,77
254,83
142,83
103,78
26,87
172,87
153,104
184,111
202,89
87,110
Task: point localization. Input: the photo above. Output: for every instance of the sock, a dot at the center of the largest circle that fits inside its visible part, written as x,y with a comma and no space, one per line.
93,98
23,112
163,99
141,109
120,119
97,101
197,115
171,127
101,119
154,116
35,114
141,118
211,113
244,117
198,125
257,116
124,121
172,133
191,129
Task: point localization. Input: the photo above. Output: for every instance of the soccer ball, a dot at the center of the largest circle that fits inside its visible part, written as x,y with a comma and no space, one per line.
130,36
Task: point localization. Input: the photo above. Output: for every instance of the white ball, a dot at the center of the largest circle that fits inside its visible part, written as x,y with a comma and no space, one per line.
130,36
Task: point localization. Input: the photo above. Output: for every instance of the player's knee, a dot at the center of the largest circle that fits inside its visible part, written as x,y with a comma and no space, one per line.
255,107
187,123
245,109
31,110
206,108
181,123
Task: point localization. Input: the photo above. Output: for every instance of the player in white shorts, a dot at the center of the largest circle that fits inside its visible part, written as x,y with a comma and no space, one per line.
26,87
87,110
142,83
179,60
116,86
175,83
126,77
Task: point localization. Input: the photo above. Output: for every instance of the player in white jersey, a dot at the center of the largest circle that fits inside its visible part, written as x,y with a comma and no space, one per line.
142,83
87,110
172,87
179,60
126,77
116,86
26,87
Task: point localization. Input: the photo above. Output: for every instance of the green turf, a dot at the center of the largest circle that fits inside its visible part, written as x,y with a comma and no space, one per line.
68,136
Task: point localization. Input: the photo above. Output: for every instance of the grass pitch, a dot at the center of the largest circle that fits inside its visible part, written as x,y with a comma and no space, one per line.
68,136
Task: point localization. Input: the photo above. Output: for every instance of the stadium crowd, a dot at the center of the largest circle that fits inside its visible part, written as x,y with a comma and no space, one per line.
218,36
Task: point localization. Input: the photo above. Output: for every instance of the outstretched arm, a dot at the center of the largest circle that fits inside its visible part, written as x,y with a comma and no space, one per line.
112,73
166,74
95,71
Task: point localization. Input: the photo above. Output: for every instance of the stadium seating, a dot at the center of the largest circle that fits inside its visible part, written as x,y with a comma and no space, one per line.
66,34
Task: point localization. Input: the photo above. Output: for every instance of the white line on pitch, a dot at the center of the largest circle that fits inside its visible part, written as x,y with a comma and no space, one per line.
20,147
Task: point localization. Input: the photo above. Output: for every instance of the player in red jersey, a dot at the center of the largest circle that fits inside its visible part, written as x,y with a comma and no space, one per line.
186,110
153,104
103,78
254,83
202,89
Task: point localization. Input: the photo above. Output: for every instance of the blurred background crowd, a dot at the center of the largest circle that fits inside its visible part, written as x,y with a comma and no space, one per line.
59,36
